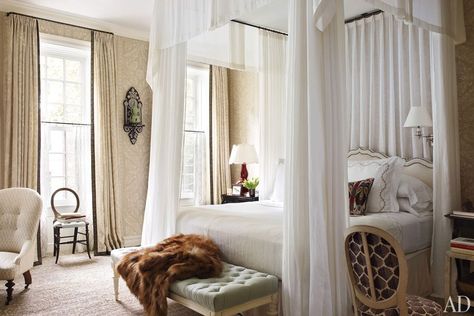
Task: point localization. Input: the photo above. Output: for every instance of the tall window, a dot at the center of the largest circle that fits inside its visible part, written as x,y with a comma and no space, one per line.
195,185
65,119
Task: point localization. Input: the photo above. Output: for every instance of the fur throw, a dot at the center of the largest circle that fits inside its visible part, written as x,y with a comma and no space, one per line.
150,272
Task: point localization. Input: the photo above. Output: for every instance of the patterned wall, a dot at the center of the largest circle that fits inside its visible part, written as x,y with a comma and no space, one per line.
243,114
131,61
465,82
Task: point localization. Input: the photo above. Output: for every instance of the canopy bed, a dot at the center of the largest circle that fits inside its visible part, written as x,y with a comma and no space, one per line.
316,138
251,234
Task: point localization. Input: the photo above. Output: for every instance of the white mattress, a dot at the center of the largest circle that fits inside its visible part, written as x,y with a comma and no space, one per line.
251,234
412,232
248,234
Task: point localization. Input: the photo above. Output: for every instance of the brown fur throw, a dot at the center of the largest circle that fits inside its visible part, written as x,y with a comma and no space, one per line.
149,272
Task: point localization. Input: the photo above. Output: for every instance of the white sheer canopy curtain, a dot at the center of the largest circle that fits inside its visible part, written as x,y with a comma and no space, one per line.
174,23
445,21
315,208
388,71
272,103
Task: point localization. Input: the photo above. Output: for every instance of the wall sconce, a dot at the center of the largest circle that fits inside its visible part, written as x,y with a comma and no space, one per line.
132,110
419,117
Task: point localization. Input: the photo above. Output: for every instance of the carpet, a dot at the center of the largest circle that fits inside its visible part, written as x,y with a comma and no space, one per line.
75,286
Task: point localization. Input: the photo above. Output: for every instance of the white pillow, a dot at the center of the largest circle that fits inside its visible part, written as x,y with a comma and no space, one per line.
416,191
386,174
279,184
419,210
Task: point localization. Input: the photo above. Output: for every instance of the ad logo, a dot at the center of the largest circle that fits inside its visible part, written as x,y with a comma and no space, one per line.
458,307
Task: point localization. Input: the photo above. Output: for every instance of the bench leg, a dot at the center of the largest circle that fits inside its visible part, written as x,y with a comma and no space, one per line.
273,306
116,277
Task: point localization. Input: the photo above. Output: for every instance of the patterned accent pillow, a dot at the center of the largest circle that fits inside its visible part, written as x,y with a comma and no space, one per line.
359,195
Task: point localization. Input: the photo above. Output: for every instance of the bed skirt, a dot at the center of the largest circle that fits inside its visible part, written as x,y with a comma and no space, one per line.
419,273
419,279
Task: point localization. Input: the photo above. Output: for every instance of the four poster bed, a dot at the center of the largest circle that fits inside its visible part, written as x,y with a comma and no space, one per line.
251,234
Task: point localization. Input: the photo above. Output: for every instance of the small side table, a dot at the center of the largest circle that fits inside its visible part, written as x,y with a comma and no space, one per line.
237,198
450,256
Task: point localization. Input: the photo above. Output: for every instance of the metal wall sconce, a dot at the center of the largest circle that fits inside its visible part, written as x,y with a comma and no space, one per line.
132,107
419,117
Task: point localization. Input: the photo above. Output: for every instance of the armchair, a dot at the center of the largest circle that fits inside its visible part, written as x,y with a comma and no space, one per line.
20,212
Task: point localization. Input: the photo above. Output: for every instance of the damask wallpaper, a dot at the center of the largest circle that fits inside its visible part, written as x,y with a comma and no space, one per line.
465,82
243,114
131,59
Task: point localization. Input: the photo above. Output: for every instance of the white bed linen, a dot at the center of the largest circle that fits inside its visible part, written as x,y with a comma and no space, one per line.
412,232
251,234
248,234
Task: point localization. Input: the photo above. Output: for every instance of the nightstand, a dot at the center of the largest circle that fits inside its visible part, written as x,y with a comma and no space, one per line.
462,227
237,198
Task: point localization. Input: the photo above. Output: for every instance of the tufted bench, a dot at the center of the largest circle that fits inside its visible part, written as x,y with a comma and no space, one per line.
236,290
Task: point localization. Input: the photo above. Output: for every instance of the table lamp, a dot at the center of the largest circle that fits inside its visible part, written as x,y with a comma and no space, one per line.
243,154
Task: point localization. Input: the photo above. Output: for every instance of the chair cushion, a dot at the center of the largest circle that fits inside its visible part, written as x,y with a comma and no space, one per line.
70,224
417,306
236,285
8,268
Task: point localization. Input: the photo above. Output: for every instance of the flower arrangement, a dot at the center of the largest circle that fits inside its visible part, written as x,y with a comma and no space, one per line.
251,185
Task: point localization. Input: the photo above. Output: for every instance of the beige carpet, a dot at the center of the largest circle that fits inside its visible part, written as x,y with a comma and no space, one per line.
75,286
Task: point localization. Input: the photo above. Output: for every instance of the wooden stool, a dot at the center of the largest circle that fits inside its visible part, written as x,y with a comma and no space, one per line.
69,220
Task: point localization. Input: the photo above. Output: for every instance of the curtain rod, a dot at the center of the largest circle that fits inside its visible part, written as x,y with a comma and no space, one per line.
260,27
363,16
68,24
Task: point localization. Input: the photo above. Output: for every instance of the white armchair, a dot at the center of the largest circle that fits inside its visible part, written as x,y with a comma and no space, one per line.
20,212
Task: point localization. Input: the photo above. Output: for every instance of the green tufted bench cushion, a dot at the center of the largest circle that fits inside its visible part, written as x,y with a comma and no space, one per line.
236,285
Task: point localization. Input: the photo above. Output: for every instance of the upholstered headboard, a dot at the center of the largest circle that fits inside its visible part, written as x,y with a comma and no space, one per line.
416,167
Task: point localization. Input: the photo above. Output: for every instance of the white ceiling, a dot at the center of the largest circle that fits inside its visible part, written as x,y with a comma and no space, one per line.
132,17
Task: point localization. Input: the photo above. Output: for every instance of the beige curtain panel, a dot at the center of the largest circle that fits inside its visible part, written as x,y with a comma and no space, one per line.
109,231
20,116
221,178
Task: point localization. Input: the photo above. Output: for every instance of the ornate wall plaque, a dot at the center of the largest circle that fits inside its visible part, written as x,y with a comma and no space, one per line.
132,123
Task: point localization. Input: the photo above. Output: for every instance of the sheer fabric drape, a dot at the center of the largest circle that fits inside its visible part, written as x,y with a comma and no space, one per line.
272,107
445,21
315,211
388,71
109,230
20,123
446,165
173,24
438,16
78,138
221,179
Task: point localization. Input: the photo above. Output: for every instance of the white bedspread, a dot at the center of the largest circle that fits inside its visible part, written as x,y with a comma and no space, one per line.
248,234
251,234
412,232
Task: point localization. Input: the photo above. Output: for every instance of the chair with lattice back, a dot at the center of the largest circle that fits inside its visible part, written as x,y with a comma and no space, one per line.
69,220
379,276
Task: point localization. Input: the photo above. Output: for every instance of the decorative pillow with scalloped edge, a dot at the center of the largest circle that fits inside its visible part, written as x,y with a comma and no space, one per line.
386,174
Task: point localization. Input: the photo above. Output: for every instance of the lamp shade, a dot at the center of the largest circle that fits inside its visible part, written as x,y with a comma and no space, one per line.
418,116
243,153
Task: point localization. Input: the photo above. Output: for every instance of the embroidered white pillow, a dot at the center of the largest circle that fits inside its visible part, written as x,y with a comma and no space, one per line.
386,174
416,191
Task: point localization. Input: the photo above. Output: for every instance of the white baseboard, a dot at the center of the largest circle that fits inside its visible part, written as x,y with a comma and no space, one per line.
132,241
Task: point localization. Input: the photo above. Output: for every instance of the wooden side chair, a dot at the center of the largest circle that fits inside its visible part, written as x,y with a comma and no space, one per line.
379,275
69,220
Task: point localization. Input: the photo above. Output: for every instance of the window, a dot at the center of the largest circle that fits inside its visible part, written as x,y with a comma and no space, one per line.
195,162
65,119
